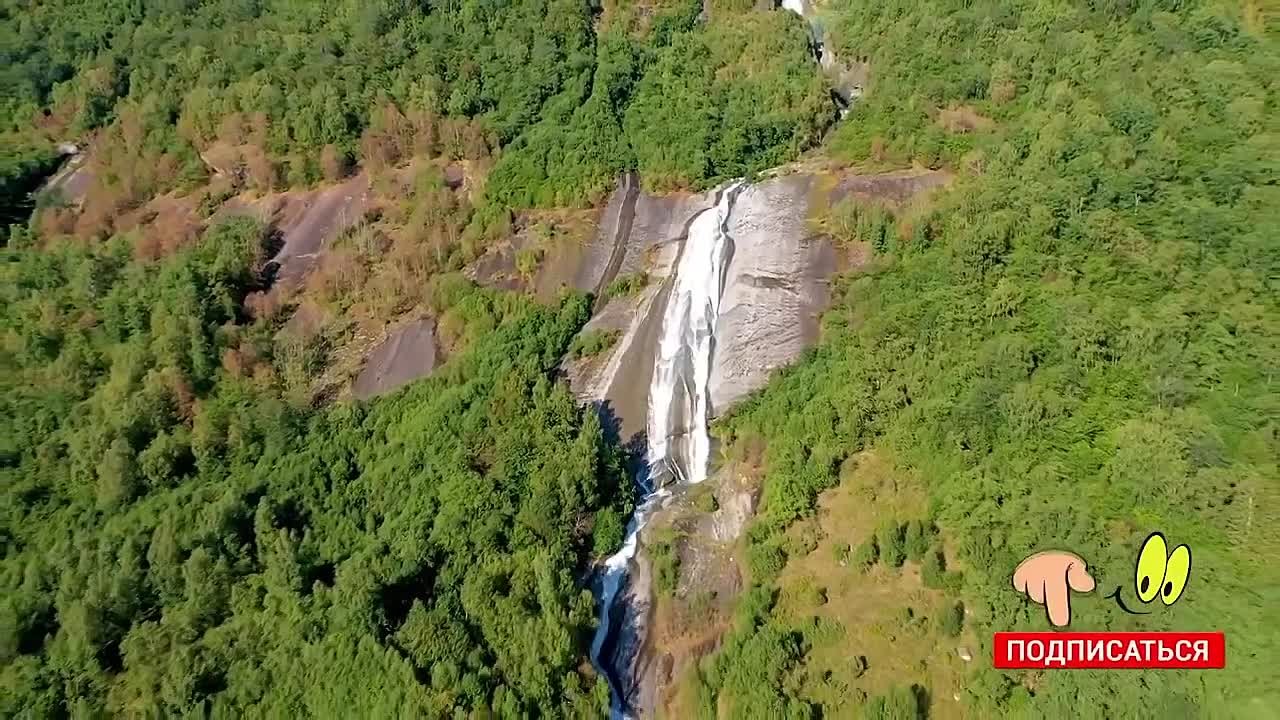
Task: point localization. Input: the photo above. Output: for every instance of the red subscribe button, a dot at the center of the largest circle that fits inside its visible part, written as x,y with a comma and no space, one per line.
1110,650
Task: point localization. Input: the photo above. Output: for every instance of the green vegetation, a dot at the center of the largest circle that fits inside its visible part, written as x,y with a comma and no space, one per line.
1075,346
890,544
933,570
22,165
287,94
184,530
866,554
916,540
590,343
527,261
178,539
665,556
952,621
901,704
626,285
704,500
742,96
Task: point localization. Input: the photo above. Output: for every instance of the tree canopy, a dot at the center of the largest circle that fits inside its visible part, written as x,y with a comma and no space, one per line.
276,85
178,538
1074,346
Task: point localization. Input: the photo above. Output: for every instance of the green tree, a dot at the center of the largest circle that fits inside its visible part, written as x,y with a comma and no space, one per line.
117,475
933,569
866,554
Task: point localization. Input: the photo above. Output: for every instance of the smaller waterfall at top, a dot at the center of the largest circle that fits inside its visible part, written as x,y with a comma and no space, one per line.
679,445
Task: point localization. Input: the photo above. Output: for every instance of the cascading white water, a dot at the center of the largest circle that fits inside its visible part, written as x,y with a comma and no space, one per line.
679,444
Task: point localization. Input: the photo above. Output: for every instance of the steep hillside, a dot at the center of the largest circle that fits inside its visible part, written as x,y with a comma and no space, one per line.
222,494
179,539
1075,347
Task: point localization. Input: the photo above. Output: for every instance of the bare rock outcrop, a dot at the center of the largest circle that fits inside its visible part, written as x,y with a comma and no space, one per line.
775,288
72,181
407,354
304,222
676,629
644,237
309,221
776,284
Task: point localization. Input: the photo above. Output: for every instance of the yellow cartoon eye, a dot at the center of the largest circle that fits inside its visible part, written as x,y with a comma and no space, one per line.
1175,578
1152,560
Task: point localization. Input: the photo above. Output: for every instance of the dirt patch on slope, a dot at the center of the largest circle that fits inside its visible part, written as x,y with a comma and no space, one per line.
550,250
893,187
959,119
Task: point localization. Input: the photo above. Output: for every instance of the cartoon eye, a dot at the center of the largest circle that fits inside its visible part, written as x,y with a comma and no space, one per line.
1179,571
1152,561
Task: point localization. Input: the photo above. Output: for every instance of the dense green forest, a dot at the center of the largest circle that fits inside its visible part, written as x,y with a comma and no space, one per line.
183,531
281,86
1073,346
1076,346
178,538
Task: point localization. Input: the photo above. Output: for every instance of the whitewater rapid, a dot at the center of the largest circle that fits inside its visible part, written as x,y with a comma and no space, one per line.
679,443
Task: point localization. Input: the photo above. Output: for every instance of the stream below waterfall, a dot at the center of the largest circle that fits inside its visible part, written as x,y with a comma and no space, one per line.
678,407
679,444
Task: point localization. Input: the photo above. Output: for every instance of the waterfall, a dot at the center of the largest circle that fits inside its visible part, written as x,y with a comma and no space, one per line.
679,444
846,90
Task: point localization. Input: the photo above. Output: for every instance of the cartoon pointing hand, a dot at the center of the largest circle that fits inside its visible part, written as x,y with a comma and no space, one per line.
1047,577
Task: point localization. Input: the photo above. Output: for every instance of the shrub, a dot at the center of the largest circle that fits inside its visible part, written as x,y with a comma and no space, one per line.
665,557
867,554
890,541
706,502
628,284
766,560
951,622
902,703
933,569
917,540
592,342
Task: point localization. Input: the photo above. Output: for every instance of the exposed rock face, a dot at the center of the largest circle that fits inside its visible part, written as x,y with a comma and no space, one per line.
647,239
674,632
893,187
605,254
72,181
406,355
625,648
307,222
775,289
775,286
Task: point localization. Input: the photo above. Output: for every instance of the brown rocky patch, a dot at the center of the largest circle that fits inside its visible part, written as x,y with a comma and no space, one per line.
960,119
